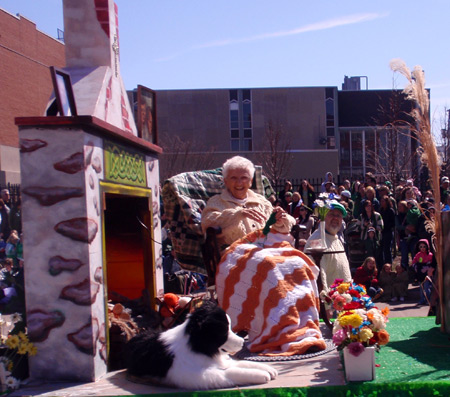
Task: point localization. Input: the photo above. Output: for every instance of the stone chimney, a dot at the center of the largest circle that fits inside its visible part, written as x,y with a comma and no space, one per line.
91,34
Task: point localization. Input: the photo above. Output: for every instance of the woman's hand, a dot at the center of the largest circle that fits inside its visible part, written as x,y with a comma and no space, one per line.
280,214
254,214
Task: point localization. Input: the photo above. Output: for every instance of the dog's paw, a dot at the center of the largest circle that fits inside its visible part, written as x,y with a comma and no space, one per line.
272,371
260,366
259,376
247,376
267,377
263,367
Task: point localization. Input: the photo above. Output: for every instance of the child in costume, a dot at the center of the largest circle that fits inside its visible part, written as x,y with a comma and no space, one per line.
422,260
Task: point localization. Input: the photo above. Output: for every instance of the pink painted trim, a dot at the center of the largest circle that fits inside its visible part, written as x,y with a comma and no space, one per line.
102,11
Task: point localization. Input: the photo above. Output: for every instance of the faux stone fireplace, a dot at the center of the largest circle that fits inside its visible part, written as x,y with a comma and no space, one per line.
90,203
72,167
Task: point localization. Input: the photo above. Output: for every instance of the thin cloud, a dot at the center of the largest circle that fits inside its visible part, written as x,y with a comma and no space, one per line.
323,25
328,24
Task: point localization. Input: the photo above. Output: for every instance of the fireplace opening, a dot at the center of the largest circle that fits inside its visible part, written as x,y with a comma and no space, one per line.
129,271
129,259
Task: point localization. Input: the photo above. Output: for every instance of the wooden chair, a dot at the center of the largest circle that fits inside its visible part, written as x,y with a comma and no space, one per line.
211,253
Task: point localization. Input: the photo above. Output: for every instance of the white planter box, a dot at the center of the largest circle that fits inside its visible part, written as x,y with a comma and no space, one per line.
360,368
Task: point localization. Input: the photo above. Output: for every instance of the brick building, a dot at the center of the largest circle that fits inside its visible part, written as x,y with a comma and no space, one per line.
25,83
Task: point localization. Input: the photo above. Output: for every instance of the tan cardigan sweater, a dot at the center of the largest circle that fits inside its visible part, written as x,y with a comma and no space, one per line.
225,210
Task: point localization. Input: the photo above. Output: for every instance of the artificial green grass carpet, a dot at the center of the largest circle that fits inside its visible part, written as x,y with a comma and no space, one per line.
417,351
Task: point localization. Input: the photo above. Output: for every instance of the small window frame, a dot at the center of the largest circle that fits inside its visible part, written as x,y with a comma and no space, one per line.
62,87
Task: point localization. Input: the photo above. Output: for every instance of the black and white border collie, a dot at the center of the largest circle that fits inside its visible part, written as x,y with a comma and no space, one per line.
195,354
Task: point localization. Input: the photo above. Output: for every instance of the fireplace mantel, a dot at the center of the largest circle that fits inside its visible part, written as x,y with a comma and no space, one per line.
93,124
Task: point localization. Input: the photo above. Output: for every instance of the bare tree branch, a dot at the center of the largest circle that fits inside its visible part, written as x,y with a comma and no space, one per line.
275,158
392,155
181,155
444,141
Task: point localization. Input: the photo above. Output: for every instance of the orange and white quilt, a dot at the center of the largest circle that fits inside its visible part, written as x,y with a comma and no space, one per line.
268,289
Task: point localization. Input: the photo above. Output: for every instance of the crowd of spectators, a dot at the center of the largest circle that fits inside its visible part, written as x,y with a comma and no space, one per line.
12,297
391,221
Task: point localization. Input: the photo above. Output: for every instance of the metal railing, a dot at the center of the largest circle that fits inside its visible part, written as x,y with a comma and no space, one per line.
315,182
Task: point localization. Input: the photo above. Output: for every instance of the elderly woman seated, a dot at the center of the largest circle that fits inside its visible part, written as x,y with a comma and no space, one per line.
267,287
238,210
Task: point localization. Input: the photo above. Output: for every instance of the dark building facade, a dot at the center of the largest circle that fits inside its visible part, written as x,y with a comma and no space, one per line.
323,129
376,134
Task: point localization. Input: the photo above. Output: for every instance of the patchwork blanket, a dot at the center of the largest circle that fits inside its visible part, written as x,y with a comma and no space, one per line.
268,289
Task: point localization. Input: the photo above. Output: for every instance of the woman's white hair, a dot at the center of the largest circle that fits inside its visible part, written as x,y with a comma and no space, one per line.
238,163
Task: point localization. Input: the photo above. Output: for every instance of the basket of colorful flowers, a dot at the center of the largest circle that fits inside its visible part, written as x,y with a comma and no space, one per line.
359,328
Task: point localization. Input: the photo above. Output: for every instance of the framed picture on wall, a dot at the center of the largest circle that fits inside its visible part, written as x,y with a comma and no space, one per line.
62,86
146,114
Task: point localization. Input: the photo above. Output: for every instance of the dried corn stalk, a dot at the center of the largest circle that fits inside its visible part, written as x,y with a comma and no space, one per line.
416,92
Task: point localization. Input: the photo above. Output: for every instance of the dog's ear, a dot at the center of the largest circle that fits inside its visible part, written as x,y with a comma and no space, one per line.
207,329
209,306
203,315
